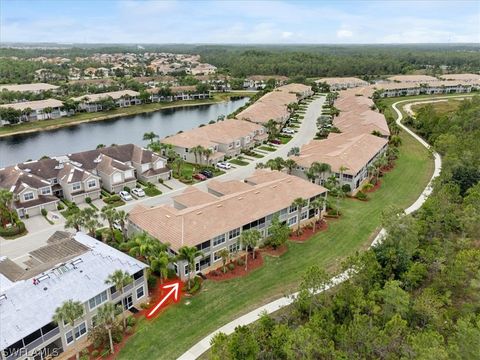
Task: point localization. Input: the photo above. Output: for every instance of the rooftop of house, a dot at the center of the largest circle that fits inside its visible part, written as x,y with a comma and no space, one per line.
436,83
45,168
295,88
412,78
15,180
222,132
66,268
349,150
464,77
342,80
71,174
34,105
267,77
198,223
115,95
28,87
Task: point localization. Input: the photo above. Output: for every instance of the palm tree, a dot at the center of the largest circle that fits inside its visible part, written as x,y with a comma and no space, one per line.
106,319
159,263
299,203
177,164
146,246
395,140
120,279
150,136
109,213
122,221
272,130
342,169
189,254
48,111
67,313
224,254
317,205
208,153
290,164
74,221
249,239
6,201
276,164
198,151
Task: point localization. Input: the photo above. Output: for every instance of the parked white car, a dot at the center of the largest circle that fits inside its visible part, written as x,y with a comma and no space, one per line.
116,225
224,165
288,131
125,196
138,192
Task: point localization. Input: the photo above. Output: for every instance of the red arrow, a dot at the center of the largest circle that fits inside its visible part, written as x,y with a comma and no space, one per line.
174,290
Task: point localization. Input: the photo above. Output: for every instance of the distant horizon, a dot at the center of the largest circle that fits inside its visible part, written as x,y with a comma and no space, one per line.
209,22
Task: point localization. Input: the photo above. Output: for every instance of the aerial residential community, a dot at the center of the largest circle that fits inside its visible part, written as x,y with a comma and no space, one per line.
276,184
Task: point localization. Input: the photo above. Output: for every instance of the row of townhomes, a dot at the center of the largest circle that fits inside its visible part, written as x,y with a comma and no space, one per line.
224,138
177,93
38,109
40,184
68,267
342,83
214,220
350,152
273,105
405,85
93,102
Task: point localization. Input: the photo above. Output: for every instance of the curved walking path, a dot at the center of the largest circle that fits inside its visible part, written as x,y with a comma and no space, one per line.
203,345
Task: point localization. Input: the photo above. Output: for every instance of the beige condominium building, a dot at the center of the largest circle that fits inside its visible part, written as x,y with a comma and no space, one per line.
214,220
69,267
37,110
224,138
342,83
93,102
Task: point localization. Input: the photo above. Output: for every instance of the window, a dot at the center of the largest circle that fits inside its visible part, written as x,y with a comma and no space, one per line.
94,320
28,196
233,248
304,215
97,300
91,183
292,209
140,292
283,212
175,267
217,240
234,233
292,220
80,330
138,275
45,191
76,186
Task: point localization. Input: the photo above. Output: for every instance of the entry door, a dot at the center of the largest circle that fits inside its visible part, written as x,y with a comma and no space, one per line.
128,302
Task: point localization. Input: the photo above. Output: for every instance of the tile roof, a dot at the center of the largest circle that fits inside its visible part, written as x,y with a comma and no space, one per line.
412,78
34,105
194,225
15,179
28,87
115,95
463,77
351,150
343,80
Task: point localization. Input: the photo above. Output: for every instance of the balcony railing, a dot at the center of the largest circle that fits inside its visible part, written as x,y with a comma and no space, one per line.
51,334
139,280
128,287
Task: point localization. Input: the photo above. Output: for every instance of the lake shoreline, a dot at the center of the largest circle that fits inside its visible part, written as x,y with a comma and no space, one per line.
140,109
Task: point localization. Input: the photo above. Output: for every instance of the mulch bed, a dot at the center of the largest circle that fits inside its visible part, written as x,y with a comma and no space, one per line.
307,232
239,271
374,188
275,252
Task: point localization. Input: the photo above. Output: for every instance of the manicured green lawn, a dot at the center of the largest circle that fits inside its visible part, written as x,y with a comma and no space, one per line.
285,139
181,325
238,162
267,148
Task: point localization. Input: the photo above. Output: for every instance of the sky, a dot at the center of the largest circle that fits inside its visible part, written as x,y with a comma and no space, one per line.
244,22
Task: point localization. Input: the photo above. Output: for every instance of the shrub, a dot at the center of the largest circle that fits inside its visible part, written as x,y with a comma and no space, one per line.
160,180
361,196
367,186
215,273
231,266
84,352
240,262
126,188
145,305
151,281
171,273
94,353
27,216
129,330
105,353
117,337
84,357
131,321
44,212
88,200
138,186
346,188
60,206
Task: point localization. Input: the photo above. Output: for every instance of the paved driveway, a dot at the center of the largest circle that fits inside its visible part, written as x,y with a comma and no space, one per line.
39,234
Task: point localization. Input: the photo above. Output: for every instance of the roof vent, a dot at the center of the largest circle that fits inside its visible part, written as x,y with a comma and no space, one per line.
257,192
219,205
240,198
3,297
45,288
27,170
199,213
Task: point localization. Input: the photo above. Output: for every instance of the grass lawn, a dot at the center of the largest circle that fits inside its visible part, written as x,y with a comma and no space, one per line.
267,148
187,171
238,162
132,110
285,139
151,191
442,107
181,325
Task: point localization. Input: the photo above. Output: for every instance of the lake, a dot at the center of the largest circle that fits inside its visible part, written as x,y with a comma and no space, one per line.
129,129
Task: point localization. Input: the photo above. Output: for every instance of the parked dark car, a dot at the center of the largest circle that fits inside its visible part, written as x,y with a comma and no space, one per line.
207,173
276,141
200,177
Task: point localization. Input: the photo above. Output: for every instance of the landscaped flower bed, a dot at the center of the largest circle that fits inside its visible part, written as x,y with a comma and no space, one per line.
238,269
307,231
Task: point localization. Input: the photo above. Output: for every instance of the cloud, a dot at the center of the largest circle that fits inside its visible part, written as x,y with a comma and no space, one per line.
287,34
343,33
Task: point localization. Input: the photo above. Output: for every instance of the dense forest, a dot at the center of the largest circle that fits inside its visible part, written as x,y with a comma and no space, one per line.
416,295
291,60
